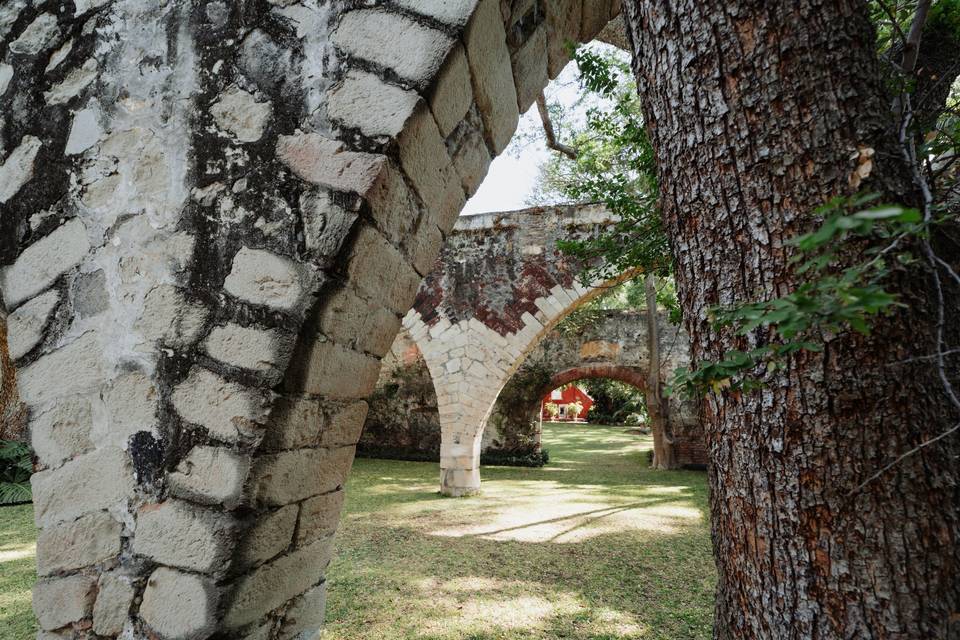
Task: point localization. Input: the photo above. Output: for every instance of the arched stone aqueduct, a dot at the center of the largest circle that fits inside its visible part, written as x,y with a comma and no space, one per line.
499,286
213,217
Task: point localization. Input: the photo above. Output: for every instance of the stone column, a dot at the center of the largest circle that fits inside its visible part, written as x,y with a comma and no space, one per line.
212,218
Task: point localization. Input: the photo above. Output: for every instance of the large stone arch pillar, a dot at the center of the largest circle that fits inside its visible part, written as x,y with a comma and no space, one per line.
470,362
212,218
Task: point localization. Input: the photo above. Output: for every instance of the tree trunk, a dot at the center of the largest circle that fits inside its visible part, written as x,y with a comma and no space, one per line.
754,110
663,457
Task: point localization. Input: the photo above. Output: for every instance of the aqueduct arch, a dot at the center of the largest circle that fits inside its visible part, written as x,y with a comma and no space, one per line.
499,285
404,420
212,219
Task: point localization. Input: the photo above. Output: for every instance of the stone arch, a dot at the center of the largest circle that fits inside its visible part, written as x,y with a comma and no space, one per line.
634,376
470,363
209,234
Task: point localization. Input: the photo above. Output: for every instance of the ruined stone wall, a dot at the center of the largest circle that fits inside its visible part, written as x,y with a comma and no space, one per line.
212,218
500,284
611,344
404,419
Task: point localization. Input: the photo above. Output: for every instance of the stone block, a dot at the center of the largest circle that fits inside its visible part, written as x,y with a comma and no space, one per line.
114,596
59,601
530,68
273,584
44,261
319,517
73,368
344,424
85,131
62,431
563,26
271,534
210,475
393,206
263,278
424,159
25,325
493,87
325,162
131,403
452,93
336,372
98,480
305,614
354,322
294,423
471,159
229,411
424,247
455,13
291,476
15,172
596,15
170,318
39,35
380,271
326,224
411,50
179,606
178,534
263,350
238,113
6,75
364,102
88,540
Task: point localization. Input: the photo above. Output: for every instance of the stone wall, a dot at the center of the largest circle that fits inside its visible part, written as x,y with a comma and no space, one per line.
500,284
403,420
212,218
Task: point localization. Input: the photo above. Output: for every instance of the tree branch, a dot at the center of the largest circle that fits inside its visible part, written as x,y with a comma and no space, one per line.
911,47
551,136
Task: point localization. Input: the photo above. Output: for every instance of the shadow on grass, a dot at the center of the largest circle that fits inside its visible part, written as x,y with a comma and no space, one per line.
593,546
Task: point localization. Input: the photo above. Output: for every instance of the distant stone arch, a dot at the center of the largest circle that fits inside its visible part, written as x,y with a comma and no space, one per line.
499,286
210,231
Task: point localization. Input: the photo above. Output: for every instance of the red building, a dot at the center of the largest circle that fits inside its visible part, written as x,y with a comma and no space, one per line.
561,405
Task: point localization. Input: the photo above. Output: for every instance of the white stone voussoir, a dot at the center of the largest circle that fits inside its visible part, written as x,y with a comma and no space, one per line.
408,48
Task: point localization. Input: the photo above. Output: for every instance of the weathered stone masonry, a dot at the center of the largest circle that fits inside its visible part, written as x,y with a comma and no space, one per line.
481,312
499,286
404,419
212,218
614,345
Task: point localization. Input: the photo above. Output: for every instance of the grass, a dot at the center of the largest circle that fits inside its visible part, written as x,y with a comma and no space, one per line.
18,549
593,546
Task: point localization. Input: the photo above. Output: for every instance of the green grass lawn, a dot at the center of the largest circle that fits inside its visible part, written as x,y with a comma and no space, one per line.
593,546
18,548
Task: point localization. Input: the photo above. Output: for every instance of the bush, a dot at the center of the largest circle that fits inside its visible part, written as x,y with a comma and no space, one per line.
505,458
16,466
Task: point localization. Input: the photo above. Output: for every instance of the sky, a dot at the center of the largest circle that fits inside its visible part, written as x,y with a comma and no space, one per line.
513,175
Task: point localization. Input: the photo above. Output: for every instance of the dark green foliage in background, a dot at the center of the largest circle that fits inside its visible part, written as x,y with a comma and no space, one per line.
16,466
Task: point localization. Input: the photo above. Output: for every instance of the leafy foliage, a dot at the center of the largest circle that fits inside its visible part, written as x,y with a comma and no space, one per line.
614,166
613,401
16,465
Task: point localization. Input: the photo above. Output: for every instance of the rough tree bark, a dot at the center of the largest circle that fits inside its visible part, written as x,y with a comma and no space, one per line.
755,110
663,456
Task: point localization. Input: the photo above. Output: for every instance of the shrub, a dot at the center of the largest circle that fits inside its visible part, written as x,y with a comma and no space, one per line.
16,465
